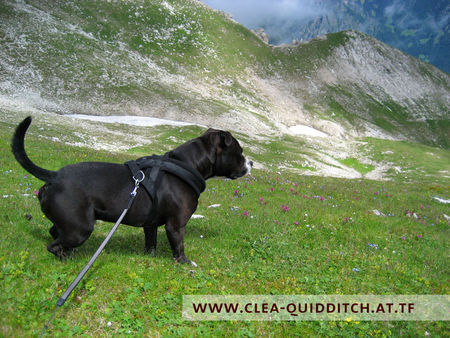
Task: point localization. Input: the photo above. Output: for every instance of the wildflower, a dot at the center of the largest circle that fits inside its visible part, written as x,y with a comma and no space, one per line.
285,208
245,213
236,192
403,238
272,189
373,245
355,270
419,236
322,198
296,223
422,207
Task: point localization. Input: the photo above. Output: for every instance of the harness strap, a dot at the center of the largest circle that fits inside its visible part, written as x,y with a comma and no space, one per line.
186,173
146,183
154,166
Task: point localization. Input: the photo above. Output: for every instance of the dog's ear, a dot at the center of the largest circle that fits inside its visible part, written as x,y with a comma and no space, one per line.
219,138
226,138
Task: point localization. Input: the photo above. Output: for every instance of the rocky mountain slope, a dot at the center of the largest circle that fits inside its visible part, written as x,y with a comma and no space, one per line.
181,60
417,27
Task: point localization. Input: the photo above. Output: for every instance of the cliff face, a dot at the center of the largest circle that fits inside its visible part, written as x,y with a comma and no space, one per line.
181,60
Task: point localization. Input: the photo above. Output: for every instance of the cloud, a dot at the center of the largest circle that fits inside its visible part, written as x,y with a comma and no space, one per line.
396,8
277,17
406,18
284,19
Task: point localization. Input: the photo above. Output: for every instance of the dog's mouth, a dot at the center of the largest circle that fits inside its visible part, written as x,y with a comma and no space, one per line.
246,170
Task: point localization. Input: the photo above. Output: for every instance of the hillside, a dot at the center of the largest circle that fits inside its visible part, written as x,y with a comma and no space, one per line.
181,60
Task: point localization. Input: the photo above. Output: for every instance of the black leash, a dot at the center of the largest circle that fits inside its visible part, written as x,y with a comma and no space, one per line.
66,294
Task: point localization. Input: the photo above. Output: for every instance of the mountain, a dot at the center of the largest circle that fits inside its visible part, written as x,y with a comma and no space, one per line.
182,60
417,27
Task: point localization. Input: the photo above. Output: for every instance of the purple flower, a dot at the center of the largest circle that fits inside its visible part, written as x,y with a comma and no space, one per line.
419,236
285,208
245,213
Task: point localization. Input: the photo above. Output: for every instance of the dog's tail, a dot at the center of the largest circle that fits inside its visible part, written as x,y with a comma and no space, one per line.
18,149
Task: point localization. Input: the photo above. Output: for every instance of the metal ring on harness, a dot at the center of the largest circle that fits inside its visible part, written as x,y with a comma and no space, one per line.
139,180
136,184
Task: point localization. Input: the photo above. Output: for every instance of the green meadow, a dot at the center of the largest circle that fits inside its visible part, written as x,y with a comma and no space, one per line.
274,233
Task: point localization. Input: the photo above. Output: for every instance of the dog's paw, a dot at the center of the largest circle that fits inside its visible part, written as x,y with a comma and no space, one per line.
151,251
184,260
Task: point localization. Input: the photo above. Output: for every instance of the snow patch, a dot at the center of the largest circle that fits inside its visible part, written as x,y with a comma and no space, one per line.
306,131
141,121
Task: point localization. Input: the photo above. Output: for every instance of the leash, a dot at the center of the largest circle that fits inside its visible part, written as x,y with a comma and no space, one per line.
66,294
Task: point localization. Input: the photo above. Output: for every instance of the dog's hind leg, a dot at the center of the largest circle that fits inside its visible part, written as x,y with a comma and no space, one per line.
73,224
54,231
70,237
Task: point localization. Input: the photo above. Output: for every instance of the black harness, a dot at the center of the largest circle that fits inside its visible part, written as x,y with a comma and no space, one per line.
154,166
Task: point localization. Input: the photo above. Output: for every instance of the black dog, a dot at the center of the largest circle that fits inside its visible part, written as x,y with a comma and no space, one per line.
75,196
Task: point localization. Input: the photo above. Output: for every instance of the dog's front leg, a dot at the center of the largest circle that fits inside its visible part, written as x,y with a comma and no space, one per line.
151,233
175,234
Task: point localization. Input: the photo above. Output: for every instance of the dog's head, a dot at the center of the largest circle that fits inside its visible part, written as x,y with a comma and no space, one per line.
226,154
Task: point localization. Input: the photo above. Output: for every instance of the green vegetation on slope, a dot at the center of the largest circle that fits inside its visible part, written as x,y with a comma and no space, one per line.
181,58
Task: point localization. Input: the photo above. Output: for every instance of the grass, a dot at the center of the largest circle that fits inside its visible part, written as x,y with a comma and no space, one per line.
358,166
410,161
248,245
